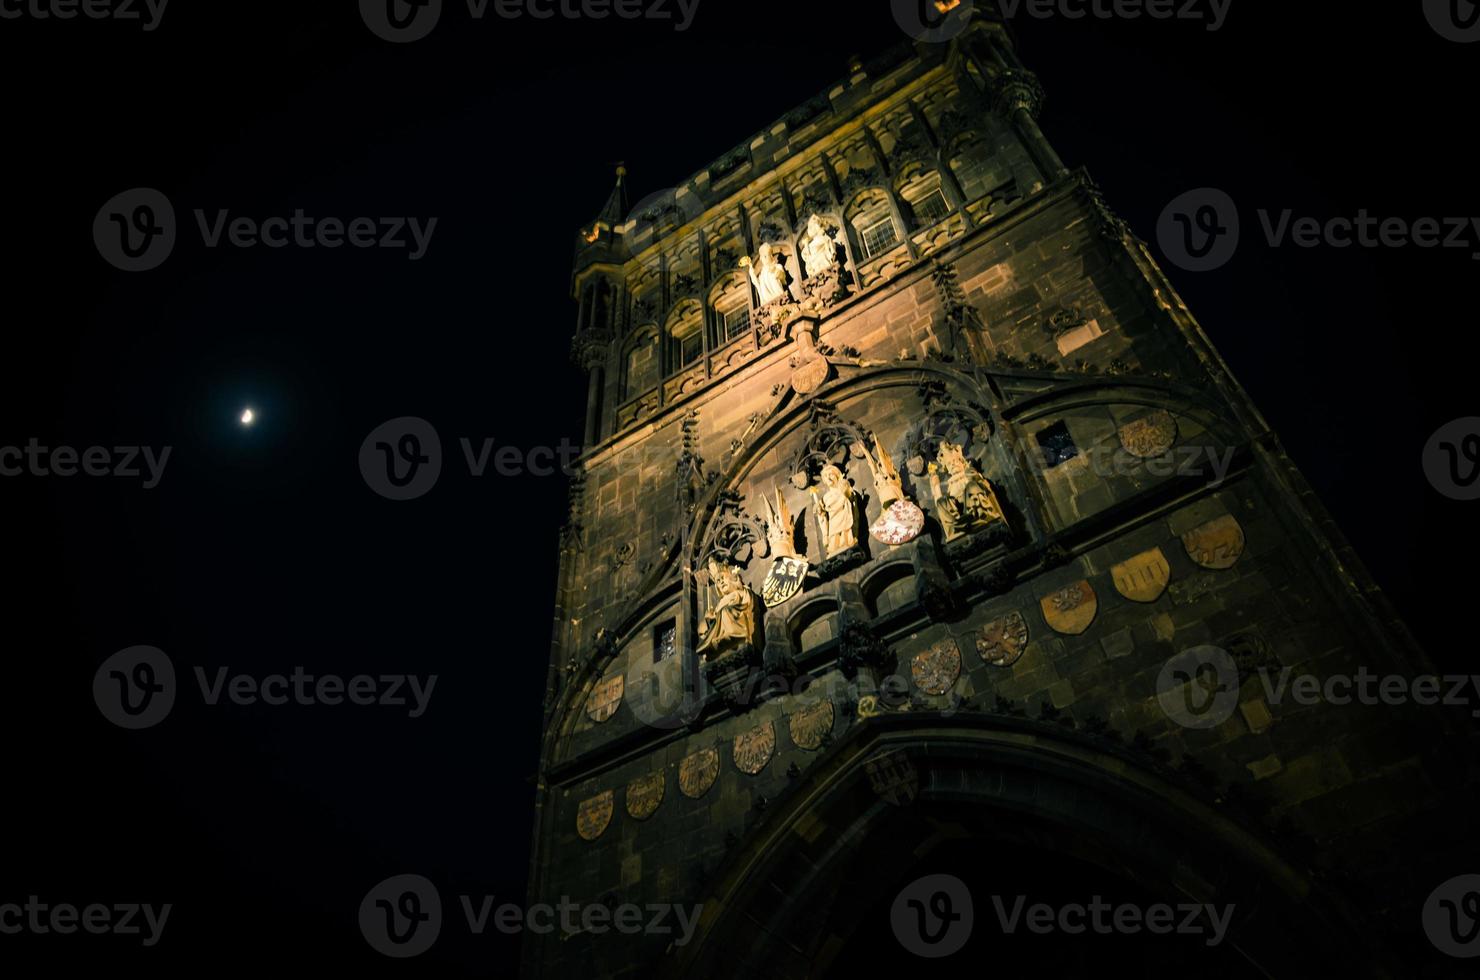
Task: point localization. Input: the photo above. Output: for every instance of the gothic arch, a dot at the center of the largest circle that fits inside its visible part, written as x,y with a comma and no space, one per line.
774,907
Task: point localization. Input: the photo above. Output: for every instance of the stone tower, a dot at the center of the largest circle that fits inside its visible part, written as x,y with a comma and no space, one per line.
920,528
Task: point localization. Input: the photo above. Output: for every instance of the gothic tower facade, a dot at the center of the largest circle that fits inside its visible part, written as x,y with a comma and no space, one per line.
920,528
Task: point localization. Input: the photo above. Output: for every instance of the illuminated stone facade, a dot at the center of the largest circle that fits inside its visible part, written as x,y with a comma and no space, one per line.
763,679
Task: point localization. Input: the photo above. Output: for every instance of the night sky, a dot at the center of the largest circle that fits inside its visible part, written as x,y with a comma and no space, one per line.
262,549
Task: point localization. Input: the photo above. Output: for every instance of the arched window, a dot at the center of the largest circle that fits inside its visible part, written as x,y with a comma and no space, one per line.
641,367
874,228
685,336
730,301
926,198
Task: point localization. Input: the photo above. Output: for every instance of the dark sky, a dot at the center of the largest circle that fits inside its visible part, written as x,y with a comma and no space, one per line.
262,549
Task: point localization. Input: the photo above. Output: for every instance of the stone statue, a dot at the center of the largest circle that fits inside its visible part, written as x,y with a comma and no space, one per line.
769,276
886,475
965,501
900,521
836,507
732,623
819,249
780,532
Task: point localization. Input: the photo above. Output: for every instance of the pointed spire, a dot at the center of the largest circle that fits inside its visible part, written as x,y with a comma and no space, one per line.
615,211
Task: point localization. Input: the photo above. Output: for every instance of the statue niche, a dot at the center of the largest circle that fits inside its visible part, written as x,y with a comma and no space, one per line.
820,250
732,625
771,281
835,506
769,276
901,521
965,501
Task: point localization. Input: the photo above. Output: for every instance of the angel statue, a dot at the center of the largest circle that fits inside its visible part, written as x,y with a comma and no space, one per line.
836,507
965,501
732,622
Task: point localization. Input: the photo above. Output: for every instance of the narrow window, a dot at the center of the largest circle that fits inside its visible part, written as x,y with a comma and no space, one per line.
1057,445
664,637
878,237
